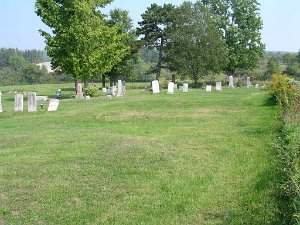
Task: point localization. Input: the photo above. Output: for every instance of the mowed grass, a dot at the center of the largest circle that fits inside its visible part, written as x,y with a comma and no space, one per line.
186,158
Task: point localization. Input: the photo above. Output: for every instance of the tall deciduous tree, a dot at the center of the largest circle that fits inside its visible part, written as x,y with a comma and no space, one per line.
120,19
241,25
196,47
153,30
80,42
272,68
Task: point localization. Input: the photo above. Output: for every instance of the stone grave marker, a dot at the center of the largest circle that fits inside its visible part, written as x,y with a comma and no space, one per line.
109,97
155,86
171,88
248,82
185,87
87,98
218,86
104,90
53,105
208,88
231,82
0,101
32,102
120,88
18,103
42,98
256,85
79,93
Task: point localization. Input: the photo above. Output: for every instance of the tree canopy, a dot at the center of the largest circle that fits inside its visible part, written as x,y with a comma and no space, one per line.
195,46
81,42
241,25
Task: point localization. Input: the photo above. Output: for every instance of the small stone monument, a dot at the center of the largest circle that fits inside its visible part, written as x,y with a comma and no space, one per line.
231,82
87,98
0,101
32,102
53,105
218,86
120,88
185,87
104,90
109,97
248,82
171,88
42,98
155,86
208,88
79,93
18,103
256,85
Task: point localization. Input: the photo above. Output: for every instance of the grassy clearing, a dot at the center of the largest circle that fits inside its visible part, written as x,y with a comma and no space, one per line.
187,158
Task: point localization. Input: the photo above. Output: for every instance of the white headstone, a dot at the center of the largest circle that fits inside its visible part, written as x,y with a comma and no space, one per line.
53,105
120,88
42,98
171,88
87,97
231,82
208,88
248,82
114,88
0,101
218,86
256,85
18,102
32,102
109,97
185,87
155,86
104,90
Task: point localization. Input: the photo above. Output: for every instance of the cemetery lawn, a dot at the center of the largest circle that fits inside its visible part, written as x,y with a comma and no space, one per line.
186,158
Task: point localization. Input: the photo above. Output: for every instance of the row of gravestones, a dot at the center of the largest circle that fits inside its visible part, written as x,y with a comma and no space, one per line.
110,91
184,88
32,102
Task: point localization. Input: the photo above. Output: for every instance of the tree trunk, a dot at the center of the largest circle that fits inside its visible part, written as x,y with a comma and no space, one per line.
103,81
160,60
76,83
195,83
86,83
173,78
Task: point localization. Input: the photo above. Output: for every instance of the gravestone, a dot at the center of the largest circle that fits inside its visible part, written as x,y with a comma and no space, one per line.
42,98
231,82
171,88
18,103
124,88
120,88
79,93
185,87
87,98
53,105
114,88
0,101
218,86
248,82
104,90
208,88
32,102
256,85
155,86
109,97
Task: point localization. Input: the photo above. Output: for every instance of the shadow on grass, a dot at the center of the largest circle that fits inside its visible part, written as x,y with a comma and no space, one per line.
270,102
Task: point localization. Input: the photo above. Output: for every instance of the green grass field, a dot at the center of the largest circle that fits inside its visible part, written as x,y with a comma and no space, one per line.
187,158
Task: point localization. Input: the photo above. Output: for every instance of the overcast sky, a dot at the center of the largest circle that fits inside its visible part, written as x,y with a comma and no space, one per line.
19,24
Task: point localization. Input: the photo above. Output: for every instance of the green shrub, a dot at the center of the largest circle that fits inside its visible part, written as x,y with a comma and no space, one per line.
284,90
92,91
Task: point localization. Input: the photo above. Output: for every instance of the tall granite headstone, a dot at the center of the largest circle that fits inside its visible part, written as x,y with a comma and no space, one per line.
18,103
32,102
208,88
171,88
155,86
79,93
248,82
0,101
231,82
120,88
